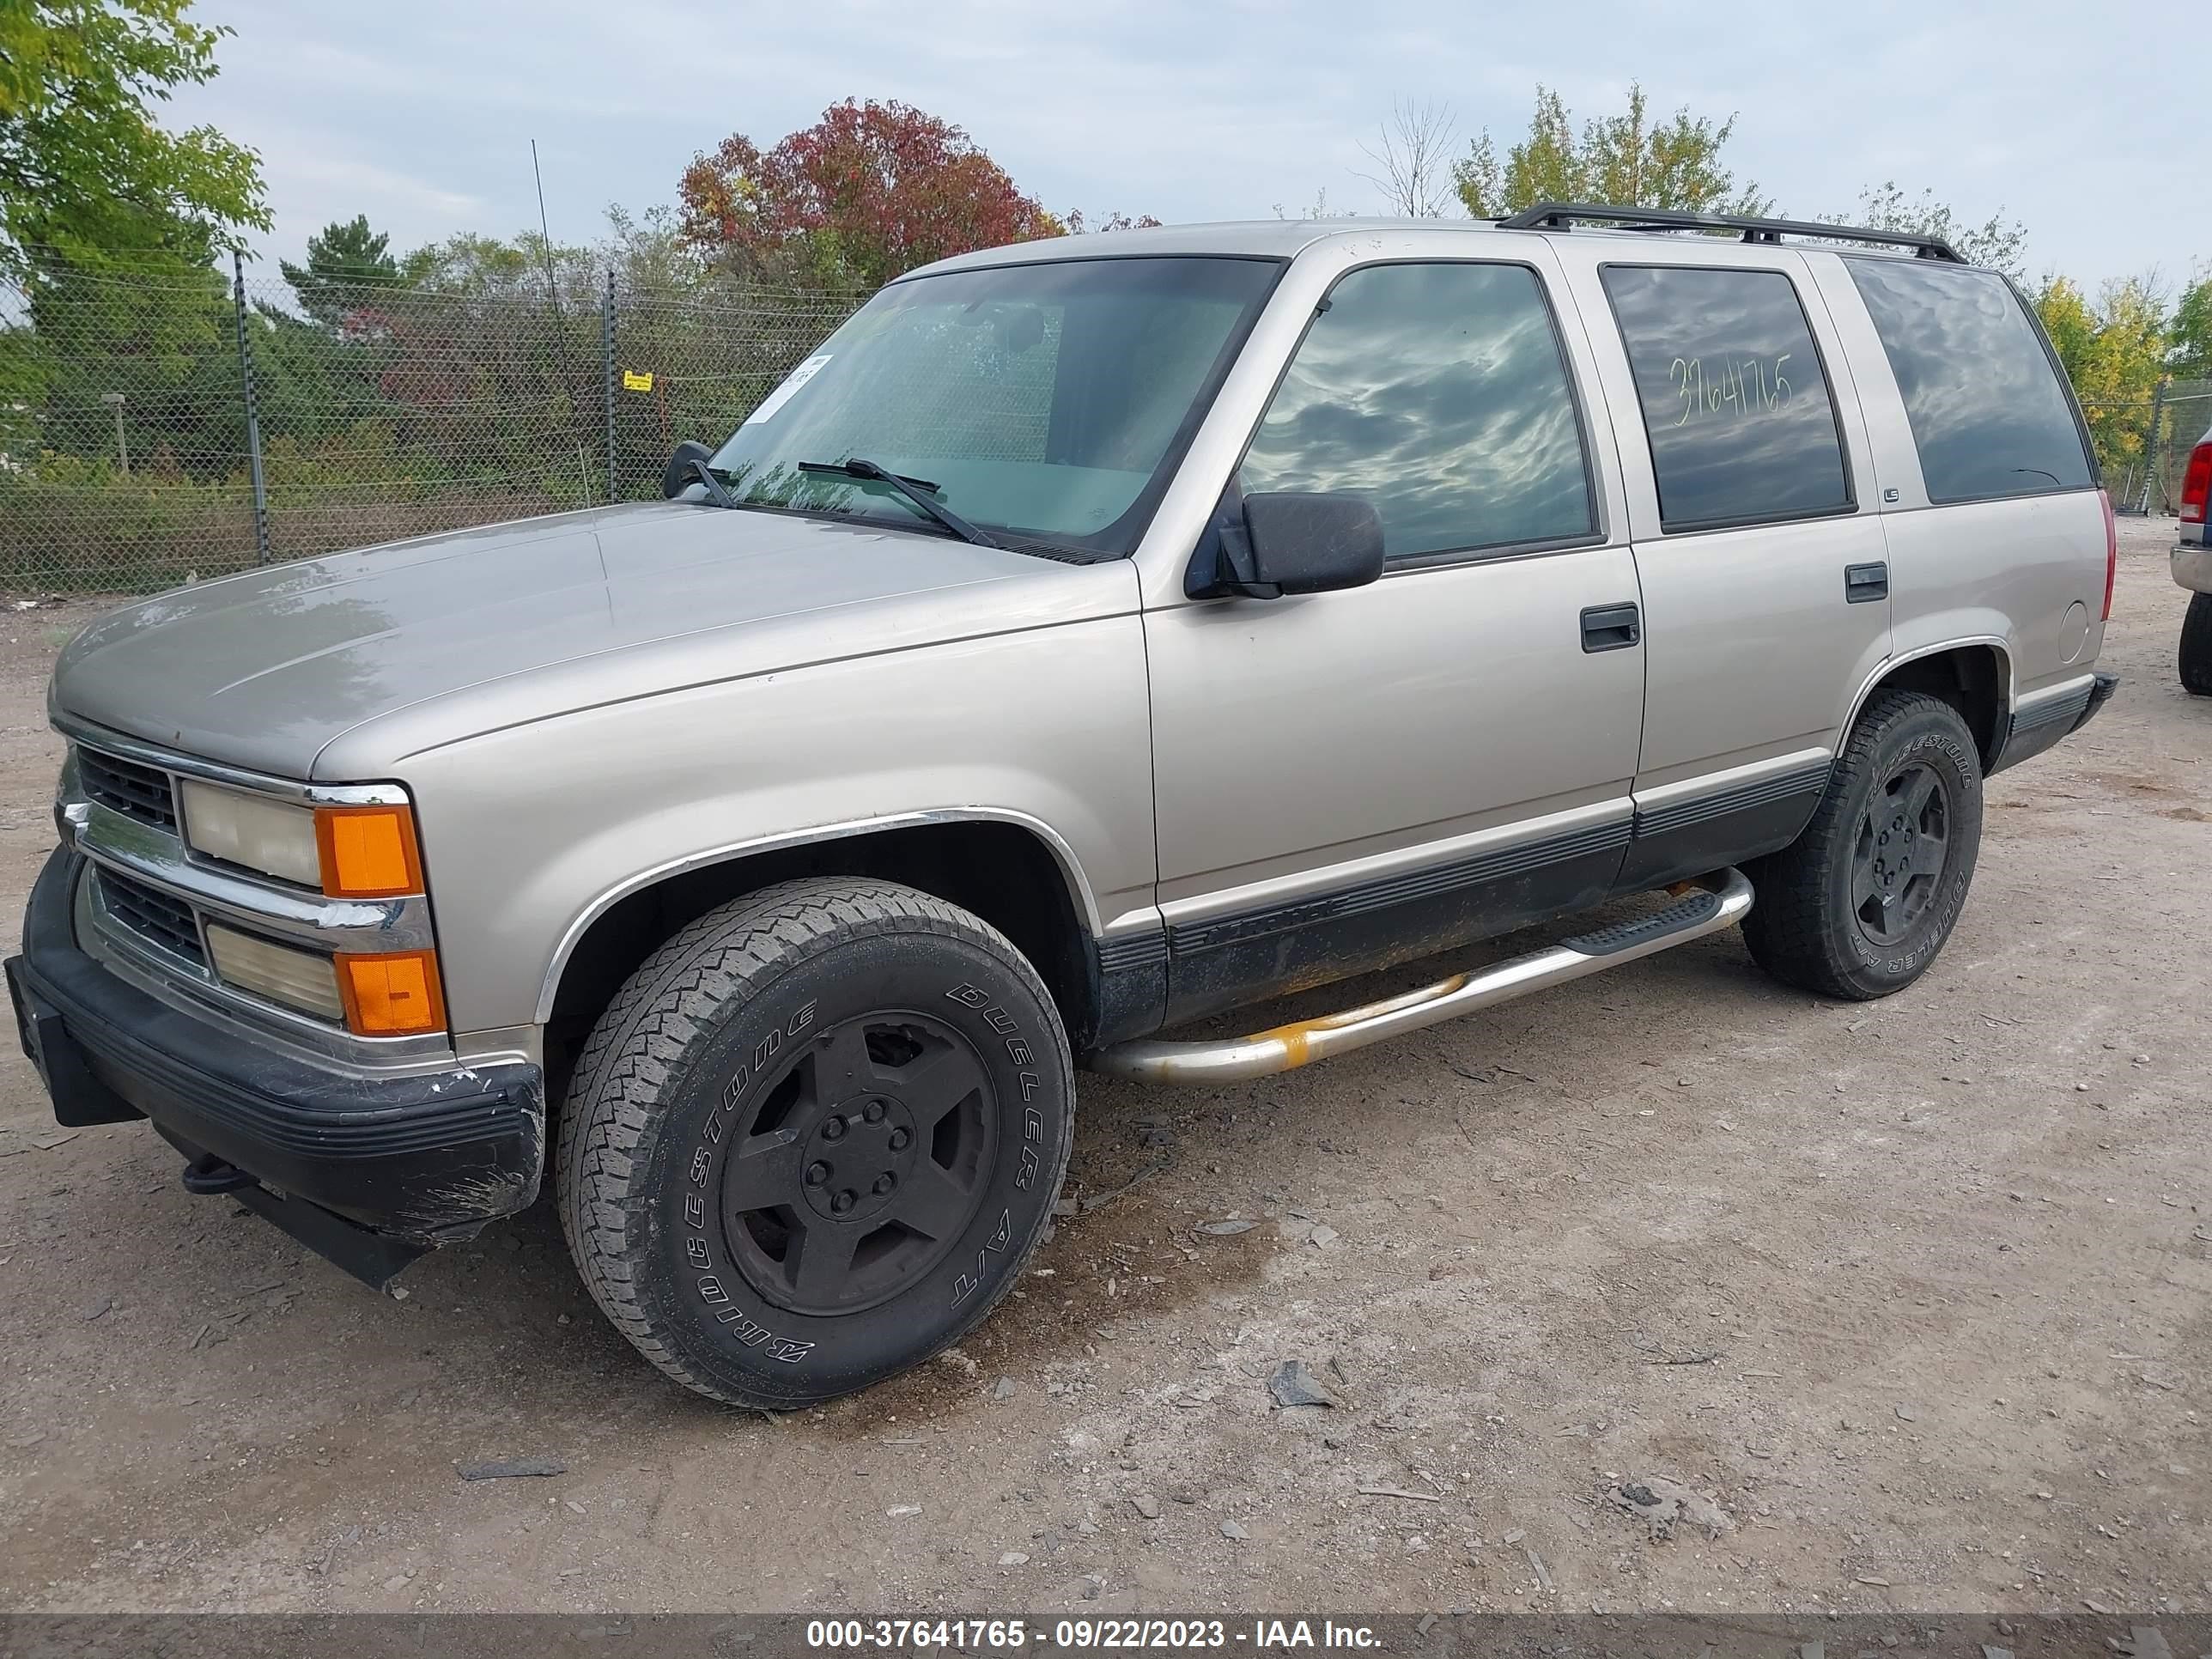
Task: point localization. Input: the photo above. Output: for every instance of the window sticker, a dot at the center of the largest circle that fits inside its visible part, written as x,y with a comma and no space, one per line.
784,394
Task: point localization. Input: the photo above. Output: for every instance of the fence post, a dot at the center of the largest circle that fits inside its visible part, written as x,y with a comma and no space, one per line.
2152,470
607,366
252,411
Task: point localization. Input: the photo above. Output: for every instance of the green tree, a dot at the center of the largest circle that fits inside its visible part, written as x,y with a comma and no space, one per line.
2114,351
84,168
1626,160
1998,242
341,260
2189,332
165,342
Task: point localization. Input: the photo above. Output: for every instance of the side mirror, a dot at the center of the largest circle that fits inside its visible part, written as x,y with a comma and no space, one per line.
677,477
1311,543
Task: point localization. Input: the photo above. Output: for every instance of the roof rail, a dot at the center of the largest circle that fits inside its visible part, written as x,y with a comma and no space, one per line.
1561,216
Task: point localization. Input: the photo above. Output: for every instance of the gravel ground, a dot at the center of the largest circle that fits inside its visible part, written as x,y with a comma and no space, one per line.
1913,1292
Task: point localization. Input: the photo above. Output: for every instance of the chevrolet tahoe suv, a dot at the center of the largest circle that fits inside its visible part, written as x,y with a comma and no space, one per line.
1091,635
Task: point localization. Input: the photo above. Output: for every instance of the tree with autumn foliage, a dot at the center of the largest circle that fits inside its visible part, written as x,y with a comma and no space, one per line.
2113,350
870,190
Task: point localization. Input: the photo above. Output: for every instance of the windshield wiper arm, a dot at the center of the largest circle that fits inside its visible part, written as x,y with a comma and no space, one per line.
716,493
914,490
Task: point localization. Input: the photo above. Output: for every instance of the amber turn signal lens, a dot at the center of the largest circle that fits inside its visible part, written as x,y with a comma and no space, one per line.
368,852
394,995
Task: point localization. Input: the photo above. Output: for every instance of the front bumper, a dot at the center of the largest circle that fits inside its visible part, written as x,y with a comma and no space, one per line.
2192,566
368,1170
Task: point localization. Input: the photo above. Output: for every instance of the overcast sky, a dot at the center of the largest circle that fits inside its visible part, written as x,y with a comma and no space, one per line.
420,113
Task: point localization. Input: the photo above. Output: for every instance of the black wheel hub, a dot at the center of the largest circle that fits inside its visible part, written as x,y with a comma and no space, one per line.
856,1158
1903,843
863,1156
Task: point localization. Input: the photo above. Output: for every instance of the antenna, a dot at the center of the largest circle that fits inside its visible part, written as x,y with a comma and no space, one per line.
559,325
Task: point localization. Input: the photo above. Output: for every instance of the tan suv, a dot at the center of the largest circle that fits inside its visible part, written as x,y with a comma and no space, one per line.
1093,635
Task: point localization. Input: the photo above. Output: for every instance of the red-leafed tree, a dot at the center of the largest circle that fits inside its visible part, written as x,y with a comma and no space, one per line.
869,191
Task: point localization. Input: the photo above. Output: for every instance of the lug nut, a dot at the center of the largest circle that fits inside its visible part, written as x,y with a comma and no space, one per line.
886,1181
833,1129
899,1139
844,1200
816,1173
874,1112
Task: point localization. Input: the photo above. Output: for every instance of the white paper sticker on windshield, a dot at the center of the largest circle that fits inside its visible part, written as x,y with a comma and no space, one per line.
783,394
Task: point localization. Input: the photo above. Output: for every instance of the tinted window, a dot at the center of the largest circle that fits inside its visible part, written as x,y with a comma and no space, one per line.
1742,423
1988,416
1437,391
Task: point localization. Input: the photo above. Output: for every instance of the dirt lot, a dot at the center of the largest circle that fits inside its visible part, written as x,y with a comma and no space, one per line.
1917,1291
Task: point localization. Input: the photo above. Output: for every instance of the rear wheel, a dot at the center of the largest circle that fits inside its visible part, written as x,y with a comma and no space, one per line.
813,1138
1859,905
2197,646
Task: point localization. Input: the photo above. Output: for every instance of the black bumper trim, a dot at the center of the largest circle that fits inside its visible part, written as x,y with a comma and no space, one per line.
2099,695
425,1158
2053,721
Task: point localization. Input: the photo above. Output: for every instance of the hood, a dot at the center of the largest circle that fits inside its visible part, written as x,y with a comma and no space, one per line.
398,648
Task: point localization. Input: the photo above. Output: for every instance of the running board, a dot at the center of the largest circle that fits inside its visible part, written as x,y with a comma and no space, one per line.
1718,901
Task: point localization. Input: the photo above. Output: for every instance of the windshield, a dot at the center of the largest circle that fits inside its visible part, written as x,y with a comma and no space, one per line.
1048,401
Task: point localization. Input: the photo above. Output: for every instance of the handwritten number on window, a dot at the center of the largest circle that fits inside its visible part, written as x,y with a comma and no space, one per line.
1743,386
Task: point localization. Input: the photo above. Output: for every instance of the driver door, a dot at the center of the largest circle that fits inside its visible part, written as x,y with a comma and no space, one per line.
1350,778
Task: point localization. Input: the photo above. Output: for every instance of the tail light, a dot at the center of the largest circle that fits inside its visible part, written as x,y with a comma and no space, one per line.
2196,484
2111,550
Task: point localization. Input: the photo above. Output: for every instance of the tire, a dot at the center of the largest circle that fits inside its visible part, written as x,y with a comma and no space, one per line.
813,1139
1860,903
2197,646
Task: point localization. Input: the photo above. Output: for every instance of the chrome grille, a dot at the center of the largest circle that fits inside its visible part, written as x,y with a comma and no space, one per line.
126,786
154,916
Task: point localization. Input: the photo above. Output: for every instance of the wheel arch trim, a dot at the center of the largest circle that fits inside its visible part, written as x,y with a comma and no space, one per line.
1083,900
1889,665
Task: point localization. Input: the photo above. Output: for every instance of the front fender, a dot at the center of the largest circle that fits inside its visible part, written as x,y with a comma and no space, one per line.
530,832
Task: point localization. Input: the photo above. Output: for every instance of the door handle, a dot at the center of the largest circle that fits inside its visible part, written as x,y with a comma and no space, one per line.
1611,627
1865,583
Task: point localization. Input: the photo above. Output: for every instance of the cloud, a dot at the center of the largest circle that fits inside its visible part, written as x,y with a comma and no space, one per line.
424,114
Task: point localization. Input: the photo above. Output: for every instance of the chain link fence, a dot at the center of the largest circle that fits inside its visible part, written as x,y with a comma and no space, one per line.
2144,443
163,425
156,428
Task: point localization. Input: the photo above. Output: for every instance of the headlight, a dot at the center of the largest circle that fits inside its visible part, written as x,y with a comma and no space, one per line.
298,979
346,852
272,837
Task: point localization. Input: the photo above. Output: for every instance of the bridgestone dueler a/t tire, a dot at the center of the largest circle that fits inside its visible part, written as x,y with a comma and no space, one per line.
1801,928
682,1053
2197,646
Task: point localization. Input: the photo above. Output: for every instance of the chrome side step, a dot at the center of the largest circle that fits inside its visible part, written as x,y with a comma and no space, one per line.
1719,901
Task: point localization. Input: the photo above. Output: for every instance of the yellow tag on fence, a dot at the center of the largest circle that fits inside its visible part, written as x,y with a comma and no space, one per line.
634,382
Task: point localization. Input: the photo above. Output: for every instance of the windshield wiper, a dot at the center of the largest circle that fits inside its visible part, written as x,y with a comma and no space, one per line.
915,490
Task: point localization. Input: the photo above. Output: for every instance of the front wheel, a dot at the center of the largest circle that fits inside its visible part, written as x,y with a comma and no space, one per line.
812,1139
2197,646
1858,905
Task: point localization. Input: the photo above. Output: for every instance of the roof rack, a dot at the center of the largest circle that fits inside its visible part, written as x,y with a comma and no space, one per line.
1561,216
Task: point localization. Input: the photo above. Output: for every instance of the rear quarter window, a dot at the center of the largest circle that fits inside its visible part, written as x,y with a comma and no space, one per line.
1989,415
1736,401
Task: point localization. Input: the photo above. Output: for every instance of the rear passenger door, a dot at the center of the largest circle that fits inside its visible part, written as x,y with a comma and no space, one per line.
1761,556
